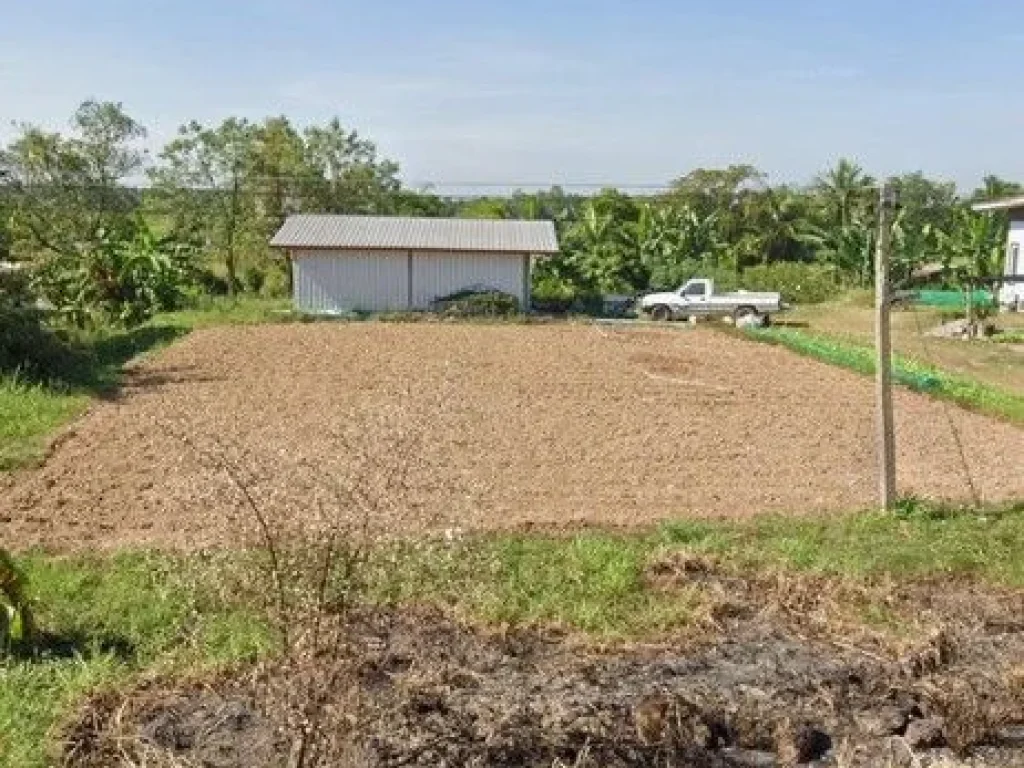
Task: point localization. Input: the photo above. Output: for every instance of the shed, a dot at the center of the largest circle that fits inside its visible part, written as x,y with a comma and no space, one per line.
1011,295
389,263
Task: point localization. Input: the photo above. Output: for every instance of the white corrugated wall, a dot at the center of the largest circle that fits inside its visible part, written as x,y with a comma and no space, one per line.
335,281
437,274
378,281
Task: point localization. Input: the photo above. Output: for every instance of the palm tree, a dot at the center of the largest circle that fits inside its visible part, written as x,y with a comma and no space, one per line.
778,225
844,192
993,188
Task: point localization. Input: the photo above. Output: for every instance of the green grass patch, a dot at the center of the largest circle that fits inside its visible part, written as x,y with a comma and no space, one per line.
915,375
591,582
917,541
1009,337
28,414
595,582
221,310
105,621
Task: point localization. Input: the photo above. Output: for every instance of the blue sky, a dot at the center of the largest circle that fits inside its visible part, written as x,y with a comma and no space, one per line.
553,92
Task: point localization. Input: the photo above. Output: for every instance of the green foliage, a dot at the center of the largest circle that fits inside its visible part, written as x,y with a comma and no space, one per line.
676,244
478,303
555,294
68,191
799,283
225,188
590,582
17,626
122,278
28,347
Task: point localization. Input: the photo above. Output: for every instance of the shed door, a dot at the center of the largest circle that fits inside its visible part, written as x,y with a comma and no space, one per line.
340,281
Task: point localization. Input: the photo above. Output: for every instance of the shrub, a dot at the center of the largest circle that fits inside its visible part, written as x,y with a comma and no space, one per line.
16,624
276,282
478,303
797,282
27,346
253,279
672,276
557,296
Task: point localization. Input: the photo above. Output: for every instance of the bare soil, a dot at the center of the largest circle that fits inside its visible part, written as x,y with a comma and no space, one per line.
765,690
546,426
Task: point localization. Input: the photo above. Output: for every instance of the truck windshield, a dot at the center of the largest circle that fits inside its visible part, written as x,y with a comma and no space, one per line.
695,289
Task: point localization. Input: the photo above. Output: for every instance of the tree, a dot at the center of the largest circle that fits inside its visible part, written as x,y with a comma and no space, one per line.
205,177
774,227
844,193
69,190
993,188
278,172
722,192
599,246
675,242
484,208
347,175
972,250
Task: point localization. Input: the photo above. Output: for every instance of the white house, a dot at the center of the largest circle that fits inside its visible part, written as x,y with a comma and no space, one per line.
1011,295
388,263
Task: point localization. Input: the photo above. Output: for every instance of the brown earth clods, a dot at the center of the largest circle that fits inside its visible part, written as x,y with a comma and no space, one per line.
528,426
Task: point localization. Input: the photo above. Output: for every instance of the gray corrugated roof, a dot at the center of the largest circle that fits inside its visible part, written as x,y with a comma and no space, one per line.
406,233
1006,204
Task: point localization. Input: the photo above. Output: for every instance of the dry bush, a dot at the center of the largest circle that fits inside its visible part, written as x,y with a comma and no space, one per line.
974,708
823,605
313,546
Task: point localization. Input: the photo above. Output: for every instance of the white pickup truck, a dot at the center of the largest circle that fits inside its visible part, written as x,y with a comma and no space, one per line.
697,298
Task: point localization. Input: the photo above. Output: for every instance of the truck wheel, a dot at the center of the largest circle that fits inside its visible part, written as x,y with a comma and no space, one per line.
661,313
742,313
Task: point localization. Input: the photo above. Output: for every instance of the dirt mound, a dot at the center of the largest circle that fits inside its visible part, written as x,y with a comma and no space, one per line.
439,694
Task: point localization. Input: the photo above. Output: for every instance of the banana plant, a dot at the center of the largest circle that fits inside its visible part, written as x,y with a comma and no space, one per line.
972,251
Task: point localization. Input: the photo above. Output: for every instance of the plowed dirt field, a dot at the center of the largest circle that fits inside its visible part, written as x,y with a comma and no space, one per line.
556,426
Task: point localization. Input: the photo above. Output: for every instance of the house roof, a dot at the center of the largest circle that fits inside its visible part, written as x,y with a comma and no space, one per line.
1006,204
407,233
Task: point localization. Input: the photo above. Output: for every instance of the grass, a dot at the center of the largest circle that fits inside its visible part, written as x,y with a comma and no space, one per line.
108,620
962,390
596,582
30,412
114,619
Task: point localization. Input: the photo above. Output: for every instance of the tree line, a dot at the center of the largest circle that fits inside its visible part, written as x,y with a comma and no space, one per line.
110,234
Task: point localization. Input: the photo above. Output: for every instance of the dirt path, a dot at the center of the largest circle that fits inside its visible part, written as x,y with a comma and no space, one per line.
522,425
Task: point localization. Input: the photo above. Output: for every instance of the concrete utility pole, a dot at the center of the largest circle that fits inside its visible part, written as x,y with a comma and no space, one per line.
886,439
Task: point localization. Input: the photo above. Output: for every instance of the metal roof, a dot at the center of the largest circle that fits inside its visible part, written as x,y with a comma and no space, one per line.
1006,204
407,233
